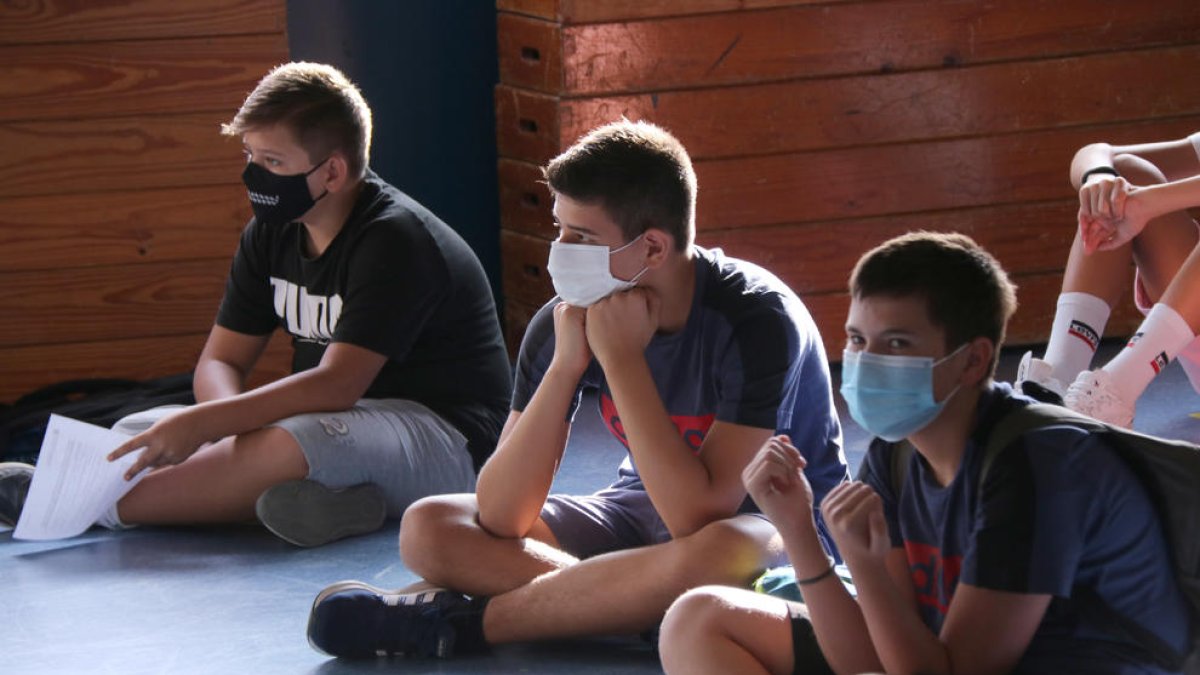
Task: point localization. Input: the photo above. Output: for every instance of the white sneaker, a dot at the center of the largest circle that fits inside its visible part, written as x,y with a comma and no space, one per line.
1093,394
1039,373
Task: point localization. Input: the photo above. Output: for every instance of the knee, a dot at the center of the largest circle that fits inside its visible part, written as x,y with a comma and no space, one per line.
1137,170
695,618
426,531
270,449
728,552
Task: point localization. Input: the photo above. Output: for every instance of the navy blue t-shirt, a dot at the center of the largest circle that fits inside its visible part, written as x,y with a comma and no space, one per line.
749,354
1059,513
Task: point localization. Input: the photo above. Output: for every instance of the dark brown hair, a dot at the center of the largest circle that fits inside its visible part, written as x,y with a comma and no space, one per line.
637,172
967,292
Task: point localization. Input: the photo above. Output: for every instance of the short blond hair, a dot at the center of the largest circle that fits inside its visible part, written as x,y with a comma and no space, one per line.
318,104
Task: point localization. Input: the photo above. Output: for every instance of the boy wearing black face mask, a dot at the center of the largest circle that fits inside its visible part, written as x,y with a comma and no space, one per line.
400,376
954,572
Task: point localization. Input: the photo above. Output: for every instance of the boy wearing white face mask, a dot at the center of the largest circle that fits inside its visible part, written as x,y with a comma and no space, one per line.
954,572
697,358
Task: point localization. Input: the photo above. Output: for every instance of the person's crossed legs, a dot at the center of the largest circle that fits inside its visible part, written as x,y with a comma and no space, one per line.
530,589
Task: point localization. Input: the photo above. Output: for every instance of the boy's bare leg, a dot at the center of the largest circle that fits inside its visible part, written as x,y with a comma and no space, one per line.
1163,248
1182,293
727,630
1104,274
218,484
1161,252
629,591
442,542
539,592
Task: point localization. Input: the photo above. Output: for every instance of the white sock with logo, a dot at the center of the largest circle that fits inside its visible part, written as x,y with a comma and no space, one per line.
1160,338
1078,324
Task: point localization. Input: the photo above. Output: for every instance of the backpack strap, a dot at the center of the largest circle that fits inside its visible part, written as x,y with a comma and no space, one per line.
898,463
900,455
900,460
1021,419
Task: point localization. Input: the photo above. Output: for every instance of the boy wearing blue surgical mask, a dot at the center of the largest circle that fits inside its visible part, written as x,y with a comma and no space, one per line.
953,573
697,358
400,377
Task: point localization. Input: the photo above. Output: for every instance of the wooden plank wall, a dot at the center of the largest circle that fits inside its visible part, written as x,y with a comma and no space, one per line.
819,129
120,203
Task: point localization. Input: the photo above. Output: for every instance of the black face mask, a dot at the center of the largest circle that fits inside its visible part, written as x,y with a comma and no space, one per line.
278,200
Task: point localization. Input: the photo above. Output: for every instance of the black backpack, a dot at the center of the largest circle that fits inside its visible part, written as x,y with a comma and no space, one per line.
98,401
1170,472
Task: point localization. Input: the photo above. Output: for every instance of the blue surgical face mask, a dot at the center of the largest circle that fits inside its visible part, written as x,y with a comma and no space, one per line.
891,396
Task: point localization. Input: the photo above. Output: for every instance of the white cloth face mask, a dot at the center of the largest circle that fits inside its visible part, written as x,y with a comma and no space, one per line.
581,275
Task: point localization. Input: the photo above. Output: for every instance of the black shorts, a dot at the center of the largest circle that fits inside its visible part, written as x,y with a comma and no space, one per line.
805,650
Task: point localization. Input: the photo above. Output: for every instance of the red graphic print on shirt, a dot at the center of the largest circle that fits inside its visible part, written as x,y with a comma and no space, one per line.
691,427
933,577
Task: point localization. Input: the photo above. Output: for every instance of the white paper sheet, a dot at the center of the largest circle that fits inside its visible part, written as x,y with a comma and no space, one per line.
74,483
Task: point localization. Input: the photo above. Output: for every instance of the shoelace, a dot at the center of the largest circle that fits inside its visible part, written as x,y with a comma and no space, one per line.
412,629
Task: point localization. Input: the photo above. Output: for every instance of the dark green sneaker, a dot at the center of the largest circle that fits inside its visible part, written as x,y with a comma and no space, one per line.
14,487
306,513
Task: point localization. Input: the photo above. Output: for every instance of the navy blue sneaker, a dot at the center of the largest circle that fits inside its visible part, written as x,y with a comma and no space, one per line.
351,619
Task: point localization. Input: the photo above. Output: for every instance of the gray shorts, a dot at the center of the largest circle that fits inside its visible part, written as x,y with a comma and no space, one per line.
401,446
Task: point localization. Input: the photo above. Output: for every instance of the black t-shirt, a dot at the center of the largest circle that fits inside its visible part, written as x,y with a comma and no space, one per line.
397,281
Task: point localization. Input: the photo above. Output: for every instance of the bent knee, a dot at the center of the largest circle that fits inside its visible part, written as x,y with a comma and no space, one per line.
695,618
697,609
729,552
270,449
427,525
1138,170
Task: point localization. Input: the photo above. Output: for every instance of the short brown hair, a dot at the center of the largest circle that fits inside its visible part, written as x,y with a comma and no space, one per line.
637,172
318,104
966,290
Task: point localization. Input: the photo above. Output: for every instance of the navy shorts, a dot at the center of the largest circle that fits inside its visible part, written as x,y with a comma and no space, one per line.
805,650
618,517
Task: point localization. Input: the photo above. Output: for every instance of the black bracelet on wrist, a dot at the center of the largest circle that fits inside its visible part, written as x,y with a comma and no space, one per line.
822,575
1099,169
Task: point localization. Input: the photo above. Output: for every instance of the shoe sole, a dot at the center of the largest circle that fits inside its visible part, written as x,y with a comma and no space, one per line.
308,514
14,506
340,586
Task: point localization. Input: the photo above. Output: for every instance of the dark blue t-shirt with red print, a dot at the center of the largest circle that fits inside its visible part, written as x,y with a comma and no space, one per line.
749,354
1059,513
